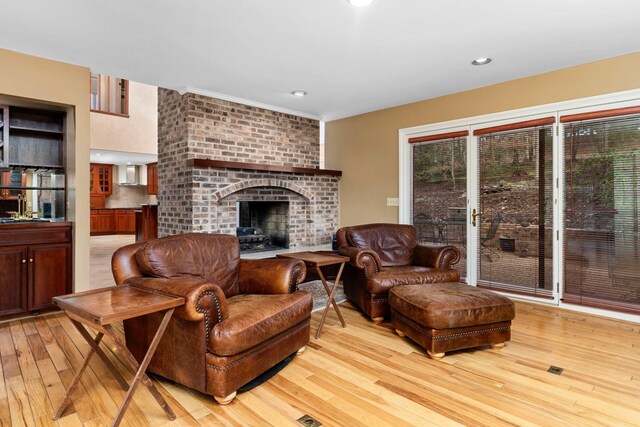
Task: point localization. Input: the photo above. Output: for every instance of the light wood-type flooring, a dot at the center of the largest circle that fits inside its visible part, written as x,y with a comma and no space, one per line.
362,375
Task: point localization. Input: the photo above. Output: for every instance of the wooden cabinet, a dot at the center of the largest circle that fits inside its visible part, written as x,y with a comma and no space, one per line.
48,274
112,221
37,269
97,201
101,179
125,221
152,178
13,286
102,221
105,221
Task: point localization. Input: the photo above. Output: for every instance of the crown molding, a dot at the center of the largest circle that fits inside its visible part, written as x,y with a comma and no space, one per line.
249,102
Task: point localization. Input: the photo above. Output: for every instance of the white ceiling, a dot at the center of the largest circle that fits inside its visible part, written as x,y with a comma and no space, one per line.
121,157
349,60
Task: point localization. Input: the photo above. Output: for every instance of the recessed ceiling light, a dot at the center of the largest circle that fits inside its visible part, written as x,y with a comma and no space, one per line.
298,93
481,61
98,154
360,3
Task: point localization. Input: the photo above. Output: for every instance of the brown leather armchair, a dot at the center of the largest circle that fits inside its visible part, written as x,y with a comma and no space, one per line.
241,317
388,255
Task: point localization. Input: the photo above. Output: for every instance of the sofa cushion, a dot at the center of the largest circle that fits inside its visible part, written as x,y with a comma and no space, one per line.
450,305
394,243
213,257
255,318
381,282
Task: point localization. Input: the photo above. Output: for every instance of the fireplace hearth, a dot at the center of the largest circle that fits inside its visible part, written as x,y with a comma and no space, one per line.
263,225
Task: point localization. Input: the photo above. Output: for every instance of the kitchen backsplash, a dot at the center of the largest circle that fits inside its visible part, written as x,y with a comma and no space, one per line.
129,196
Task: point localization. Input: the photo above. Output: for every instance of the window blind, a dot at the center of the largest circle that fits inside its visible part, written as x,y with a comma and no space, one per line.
601,215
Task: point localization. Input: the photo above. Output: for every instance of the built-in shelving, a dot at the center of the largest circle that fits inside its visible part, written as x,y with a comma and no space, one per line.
35,138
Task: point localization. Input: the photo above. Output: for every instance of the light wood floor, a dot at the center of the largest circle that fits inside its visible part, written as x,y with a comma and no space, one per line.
362,375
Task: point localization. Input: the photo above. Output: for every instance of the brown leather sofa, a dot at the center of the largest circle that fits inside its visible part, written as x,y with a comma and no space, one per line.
388,255
241,317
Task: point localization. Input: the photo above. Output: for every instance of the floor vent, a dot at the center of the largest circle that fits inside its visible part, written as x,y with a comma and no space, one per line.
309,421
555,370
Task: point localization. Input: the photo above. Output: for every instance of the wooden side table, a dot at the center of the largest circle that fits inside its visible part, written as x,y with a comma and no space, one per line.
98,309
317,260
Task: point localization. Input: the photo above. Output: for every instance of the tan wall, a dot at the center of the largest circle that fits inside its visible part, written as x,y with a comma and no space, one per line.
137,133
365,147
43,81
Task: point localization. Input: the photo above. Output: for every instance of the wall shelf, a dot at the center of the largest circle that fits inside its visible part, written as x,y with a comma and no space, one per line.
43,132
221,164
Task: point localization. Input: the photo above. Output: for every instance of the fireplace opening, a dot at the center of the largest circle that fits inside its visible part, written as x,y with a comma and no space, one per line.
263,226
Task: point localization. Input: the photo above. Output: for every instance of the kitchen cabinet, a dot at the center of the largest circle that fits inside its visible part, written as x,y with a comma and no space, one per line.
125,221
37,269
97,201
112,221
101,179
152,178
102,221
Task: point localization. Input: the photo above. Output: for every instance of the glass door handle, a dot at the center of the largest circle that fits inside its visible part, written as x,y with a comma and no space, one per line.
473,216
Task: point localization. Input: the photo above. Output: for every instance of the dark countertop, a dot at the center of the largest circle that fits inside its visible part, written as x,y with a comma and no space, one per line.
33,224
113,209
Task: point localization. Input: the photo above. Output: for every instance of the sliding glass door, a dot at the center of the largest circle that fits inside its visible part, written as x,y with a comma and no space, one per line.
439,187
514,213
551,208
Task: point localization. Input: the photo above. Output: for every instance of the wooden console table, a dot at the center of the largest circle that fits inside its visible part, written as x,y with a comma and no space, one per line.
98,309
317,260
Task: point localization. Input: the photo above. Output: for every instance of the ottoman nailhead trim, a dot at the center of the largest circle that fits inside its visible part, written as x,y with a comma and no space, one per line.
463,334
418,328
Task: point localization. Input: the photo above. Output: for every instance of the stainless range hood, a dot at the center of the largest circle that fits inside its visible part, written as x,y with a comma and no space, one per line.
132,175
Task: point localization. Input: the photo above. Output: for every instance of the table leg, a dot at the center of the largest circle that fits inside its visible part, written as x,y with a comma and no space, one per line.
96,348
330,300
141,376
76,379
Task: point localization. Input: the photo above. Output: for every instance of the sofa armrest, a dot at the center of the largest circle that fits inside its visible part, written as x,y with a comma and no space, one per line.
363,259
270,276
203,301
437,256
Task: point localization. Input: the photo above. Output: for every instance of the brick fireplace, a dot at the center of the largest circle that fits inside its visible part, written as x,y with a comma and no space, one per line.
214,155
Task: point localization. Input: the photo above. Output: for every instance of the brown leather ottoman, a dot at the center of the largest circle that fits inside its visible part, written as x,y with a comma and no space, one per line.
450,316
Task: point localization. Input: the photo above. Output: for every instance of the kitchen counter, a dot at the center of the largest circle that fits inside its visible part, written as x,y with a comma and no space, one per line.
112,209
